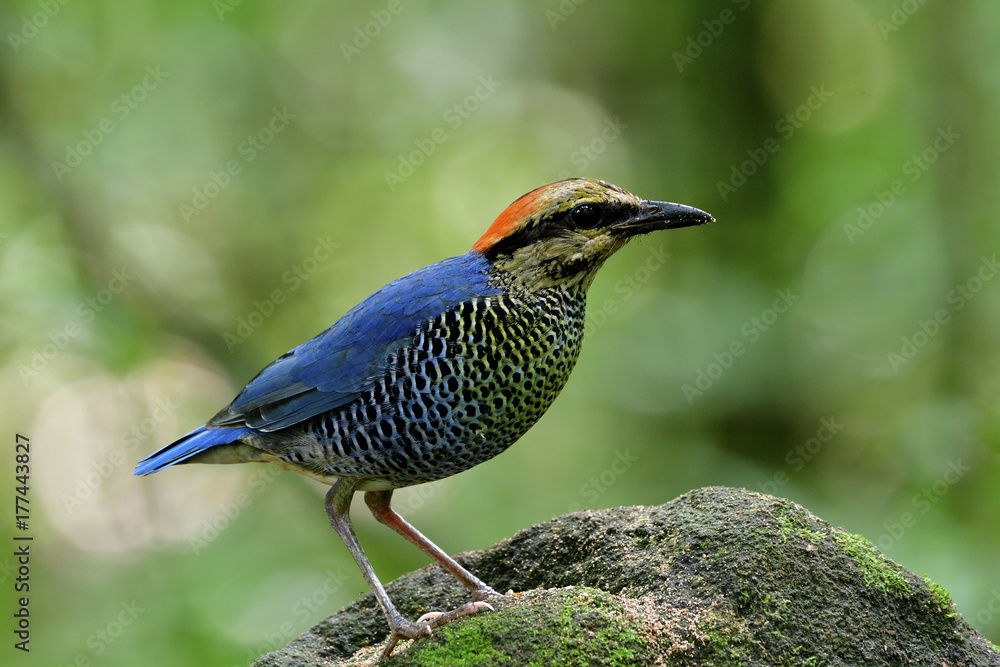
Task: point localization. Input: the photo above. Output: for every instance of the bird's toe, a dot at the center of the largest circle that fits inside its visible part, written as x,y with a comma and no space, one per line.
403,629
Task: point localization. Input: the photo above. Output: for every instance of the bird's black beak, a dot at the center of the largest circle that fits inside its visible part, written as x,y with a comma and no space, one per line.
654,215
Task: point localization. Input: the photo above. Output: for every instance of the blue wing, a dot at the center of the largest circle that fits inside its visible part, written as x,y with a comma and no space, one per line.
344,361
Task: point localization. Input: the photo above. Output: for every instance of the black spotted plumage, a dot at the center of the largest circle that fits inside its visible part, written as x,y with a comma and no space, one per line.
472,381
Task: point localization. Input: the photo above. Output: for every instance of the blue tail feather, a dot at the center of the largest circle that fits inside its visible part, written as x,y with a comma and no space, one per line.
193,443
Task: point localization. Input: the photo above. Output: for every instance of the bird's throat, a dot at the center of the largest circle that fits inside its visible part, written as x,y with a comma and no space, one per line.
556,262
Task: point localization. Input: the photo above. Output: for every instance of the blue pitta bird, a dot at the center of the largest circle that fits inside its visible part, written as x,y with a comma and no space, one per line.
436,372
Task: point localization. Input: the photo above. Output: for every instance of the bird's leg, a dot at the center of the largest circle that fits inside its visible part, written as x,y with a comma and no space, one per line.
378,503
338,505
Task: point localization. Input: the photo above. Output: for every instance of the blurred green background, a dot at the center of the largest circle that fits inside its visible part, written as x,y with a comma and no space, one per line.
189,189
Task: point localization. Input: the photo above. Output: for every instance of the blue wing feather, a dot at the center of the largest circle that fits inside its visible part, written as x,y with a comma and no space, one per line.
191,444
341,363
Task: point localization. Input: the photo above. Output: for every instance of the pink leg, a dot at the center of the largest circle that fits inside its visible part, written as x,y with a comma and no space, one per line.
338,505
378,503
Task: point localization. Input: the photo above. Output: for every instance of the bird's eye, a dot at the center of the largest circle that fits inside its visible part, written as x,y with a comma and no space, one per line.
586,216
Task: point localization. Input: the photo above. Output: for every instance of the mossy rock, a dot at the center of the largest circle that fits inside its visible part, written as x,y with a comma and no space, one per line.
716,577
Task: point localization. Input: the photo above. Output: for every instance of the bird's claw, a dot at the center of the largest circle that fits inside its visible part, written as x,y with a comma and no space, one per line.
484,593
404,629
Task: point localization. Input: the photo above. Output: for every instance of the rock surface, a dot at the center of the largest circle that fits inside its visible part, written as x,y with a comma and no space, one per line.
717,576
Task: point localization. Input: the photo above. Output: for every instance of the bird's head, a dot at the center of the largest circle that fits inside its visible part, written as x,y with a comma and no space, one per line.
563,232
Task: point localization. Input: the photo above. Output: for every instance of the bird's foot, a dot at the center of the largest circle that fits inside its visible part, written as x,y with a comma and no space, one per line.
404,629
484,592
